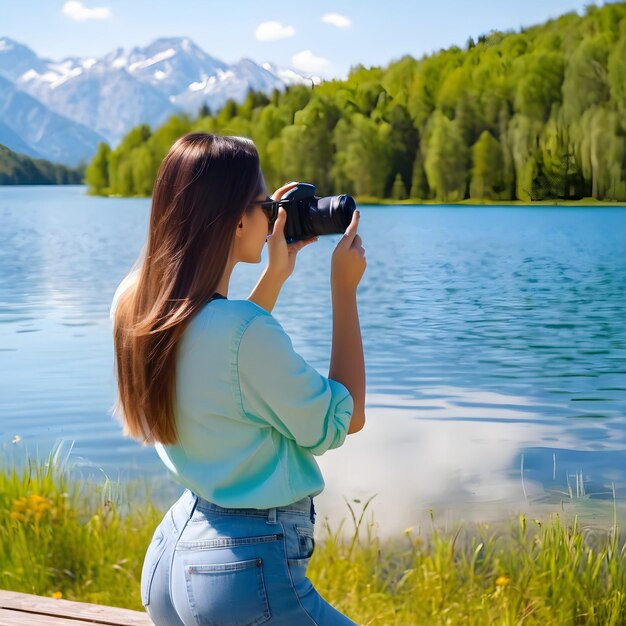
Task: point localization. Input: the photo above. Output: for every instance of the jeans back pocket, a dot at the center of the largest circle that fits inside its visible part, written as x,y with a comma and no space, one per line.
231,594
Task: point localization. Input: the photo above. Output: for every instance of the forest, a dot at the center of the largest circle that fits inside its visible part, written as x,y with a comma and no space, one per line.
538,114
19,169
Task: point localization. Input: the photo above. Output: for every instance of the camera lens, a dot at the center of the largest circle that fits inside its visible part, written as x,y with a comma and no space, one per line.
346,207
332,215
309,216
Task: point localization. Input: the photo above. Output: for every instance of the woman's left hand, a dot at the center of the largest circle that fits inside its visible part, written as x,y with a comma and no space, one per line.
281,255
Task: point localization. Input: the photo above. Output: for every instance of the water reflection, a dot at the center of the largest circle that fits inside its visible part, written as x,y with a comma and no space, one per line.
495,343
459,452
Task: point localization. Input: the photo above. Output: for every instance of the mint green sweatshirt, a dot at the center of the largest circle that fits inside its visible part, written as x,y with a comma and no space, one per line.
251,413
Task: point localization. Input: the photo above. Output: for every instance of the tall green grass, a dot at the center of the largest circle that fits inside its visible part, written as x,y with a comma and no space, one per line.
86,541
62,536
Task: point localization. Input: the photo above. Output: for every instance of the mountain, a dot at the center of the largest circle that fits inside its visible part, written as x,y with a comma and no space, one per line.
27,125
289,76
8,137
19,169
233,82
170,65
533,115
110,95
17,59
105,98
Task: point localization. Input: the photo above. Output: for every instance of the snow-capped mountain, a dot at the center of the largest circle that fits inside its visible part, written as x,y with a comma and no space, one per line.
232,82
17,59
109,100
171,65
125,88
290,76
29,127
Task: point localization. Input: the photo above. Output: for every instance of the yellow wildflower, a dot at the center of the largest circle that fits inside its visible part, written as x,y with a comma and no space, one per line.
502,581
26,508
19,505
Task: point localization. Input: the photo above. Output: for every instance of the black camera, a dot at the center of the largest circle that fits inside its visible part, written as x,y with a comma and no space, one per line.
309,215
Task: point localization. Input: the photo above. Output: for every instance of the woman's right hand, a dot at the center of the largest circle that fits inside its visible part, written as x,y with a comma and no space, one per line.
348,261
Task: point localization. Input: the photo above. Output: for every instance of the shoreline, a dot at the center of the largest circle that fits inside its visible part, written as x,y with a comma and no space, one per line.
371,200
67,538
583,202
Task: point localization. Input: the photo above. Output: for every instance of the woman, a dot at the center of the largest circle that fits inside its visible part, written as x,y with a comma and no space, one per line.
233,411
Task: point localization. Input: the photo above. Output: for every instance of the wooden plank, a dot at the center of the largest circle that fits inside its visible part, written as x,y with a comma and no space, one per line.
74,611
19,618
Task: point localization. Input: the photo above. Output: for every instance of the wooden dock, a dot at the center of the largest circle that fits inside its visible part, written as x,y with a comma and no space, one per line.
23,609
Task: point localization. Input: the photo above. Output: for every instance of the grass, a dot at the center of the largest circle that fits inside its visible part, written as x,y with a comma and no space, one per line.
86,541
62,537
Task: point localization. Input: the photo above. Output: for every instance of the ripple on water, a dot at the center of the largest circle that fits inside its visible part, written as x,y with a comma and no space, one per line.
489,333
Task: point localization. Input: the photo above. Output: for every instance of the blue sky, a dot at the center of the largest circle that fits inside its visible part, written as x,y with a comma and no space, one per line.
326,37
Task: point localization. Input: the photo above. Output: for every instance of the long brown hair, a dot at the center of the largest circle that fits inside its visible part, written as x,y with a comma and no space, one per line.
204,185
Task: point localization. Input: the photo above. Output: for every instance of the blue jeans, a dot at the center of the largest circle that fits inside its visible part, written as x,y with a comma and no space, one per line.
208,565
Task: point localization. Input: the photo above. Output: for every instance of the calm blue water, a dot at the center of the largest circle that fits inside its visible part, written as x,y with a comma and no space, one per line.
495,346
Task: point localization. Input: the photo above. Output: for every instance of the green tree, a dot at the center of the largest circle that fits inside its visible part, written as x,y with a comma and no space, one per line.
144,168
307,147
539,86
398,191
419,182
164,136
254,100
204,111
559,174
453,88
422,92
341,179
603,153
586,77
523,136
617,72
19,169
267,128
120,174
226,113
397,79
541,113
97,172
487,168
295,98
364,154
367,95
136,137
446,159
124,178
238,126
404,141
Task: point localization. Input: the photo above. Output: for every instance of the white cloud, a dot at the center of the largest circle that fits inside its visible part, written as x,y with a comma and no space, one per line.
78,11
340,21
272,31
308,62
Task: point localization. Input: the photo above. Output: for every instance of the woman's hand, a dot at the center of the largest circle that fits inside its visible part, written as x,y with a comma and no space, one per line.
348,261
281,258
281,255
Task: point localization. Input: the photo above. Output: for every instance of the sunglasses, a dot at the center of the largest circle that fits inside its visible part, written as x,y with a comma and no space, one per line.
270,208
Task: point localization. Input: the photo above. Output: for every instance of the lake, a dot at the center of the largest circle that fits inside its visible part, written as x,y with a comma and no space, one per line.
494,338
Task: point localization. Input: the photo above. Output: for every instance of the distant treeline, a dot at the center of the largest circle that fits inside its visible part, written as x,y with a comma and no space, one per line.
19,169
534,115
